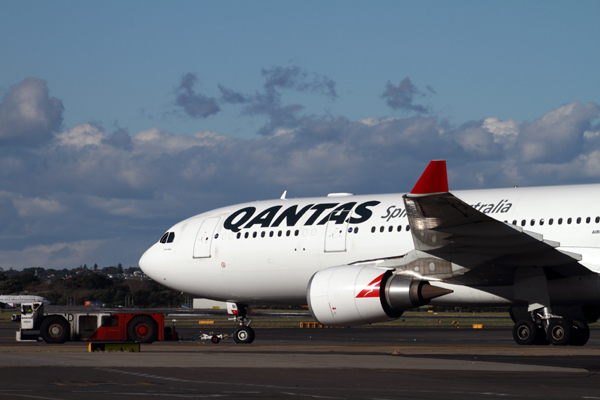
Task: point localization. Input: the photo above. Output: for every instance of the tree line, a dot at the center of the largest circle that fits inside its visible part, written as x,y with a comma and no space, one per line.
76,286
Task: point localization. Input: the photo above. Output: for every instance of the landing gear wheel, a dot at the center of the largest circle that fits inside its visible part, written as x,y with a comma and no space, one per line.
215,339
559,331
244,334
143,329
525,332
54,329
580,334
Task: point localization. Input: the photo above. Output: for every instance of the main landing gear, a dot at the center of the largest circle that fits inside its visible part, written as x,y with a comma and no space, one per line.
545,328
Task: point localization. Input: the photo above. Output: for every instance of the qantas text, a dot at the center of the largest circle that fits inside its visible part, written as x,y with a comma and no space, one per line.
317,213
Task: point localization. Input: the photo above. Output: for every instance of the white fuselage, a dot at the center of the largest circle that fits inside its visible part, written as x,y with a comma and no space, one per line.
265,252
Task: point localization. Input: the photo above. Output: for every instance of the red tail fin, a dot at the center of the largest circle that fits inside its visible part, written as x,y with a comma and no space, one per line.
433,180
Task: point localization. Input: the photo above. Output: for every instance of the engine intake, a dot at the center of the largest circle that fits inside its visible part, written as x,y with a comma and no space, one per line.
350,295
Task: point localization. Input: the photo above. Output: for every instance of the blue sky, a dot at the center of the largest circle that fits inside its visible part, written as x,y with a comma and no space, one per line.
117,119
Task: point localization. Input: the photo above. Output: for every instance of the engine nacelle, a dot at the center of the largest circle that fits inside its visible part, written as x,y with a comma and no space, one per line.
355,295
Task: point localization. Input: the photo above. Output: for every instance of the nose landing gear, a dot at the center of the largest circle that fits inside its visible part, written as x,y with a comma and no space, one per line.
243,334
239,312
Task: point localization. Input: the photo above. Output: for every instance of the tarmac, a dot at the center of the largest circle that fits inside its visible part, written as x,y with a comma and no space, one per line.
355,363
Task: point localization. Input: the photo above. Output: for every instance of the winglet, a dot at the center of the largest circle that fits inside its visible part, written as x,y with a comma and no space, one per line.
433,180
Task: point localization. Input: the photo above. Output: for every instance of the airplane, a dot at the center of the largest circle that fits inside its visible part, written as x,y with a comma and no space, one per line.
11,301
361,259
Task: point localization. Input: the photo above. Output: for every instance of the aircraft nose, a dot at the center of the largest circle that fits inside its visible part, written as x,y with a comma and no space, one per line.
146,263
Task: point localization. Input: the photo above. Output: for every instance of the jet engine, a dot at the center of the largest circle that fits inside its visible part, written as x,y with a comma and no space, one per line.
350,295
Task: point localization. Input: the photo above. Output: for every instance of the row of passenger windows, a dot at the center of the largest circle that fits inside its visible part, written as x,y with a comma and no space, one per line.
168,237
389,229
559,221
263,234
296,232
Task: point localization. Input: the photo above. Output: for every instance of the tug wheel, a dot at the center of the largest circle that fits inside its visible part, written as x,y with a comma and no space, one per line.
55,329
142,329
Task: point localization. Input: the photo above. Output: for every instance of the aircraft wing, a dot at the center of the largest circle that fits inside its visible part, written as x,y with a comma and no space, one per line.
455,241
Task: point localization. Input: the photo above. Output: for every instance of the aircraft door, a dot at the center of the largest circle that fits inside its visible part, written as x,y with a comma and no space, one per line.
204,237
335,236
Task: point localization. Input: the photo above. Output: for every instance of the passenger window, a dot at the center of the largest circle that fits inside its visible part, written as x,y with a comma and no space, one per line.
262,234
560,221
297,232
569,220
271,234
356,230
542,221
382,229
532,222
550,221
391,229
597,219
514,221
287,233
373,229
239,235
254,234
246,235
523,222
216,235
587,220
279,233
578,220
407,228
399,228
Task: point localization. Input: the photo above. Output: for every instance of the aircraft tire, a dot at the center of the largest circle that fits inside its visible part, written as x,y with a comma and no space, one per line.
525,332
580,334
243,334
560,331
55,329
143,329
215,339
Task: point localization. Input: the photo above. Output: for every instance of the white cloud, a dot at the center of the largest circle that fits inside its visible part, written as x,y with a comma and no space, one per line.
58,255
591,134
155,140
28,115
504,132
80,136
558,135
371,121
37,207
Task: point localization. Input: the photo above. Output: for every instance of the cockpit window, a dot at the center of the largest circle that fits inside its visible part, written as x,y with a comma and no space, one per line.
168,237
